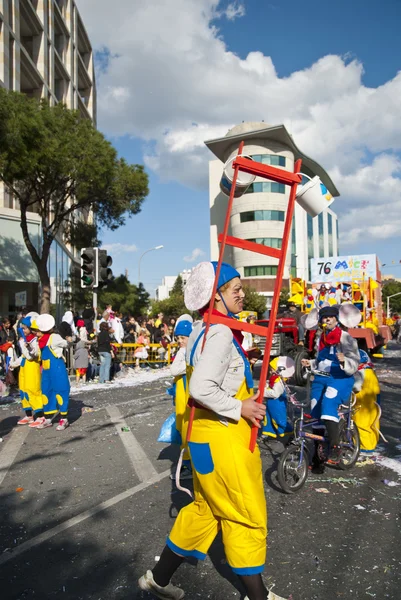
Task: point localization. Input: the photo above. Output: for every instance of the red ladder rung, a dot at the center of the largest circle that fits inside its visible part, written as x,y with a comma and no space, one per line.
251,246
235,324
266,171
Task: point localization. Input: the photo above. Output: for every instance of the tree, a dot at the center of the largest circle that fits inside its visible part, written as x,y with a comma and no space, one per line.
57,164
390,288
178,287
124,297
284,295
254,301
172,307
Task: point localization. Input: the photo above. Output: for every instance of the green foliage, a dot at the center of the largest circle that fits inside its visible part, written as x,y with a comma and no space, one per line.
171,307
82,235
124,296
55,163
284,295
390,288
254,301
178,287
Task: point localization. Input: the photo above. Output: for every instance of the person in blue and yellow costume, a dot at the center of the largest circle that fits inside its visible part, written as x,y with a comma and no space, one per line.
178,370
55,381
338,357
276,424
367,407
228,483
29,373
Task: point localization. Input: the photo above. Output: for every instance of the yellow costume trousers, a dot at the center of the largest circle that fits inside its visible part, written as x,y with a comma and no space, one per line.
367,411
229,494
29,385
181,419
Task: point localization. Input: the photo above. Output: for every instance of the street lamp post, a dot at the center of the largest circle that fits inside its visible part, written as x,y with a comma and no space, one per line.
388,303
142,255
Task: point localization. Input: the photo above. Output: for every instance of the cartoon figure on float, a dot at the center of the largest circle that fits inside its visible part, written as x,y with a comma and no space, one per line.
367,408
322,295
309,300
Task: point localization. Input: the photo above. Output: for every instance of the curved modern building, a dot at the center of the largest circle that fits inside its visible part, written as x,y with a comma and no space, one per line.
259,214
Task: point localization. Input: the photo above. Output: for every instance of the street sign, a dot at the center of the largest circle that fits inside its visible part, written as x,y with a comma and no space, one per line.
343,268
20,299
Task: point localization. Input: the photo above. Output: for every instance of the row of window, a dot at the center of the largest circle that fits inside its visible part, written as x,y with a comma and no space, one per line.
262,215
270,159
260,270
271,242
266,186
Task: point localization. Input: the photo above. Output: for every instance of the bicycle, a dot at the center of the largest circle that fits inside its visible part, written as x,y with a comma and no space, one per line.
293,466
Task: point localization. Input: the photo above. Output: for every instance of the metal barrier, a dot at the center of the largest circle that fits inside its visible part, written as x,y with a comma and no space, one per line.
138,354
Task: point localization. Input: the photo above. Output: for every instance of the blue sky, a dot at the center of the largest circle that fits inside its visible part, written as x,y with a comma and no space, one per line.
182,76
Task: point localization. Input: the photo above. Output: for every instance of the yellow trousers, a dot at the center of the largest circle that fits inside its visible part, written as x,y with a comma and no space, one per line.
229,494
367,411
29,385
181,412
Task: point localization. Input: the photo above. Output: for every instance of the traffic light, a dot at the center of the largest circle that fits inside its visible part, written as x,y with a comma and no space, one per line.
297,291
104,273
89,267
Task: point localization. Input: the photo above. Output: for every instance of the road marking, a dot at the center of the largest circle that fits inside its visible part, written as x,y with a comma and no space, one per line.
10,450
142,465
87,514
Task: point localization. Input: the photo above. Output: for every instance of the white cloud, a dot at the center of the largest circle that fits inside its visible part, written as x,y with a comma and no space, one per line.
196,253
120,248
234,10
171,81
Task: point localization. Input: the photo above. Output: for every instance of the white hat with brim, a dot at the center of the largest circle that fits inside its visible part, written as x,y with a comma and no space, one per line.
45,322
32,314
199,286
349,315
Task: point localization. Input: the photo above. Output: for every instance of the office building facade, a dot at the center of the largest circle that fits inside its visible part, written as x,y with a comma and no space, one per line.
259,214
45,53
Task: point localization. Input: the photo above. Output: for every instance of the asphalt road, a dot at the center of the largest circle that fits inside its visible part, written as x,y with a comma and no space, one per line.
85,512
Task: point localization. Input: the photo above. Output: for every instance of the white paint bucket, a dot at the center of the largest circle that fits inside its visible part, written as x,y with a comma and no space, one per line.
314,196
244,180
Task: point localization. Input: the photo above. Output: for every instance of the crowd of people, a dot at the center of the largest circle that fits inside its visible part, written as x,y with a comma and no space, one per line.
37,357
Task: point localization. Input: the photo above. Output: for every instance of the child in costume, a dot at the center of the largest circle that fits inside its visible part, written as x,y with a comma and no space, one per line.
367,408
276,424
81,361
29,379
55,381
178,369
228,483
338,356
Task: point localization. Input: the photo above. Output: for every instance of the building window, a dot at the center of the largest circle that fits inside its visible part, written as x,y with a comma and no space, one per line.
321,235
266,186
330,230
262,215
309,223
271,242
338,239
270,159
260,271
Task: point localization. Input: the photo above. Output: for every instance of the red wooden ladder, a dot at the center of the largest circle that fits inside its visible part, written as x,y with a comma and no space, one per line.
291,179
